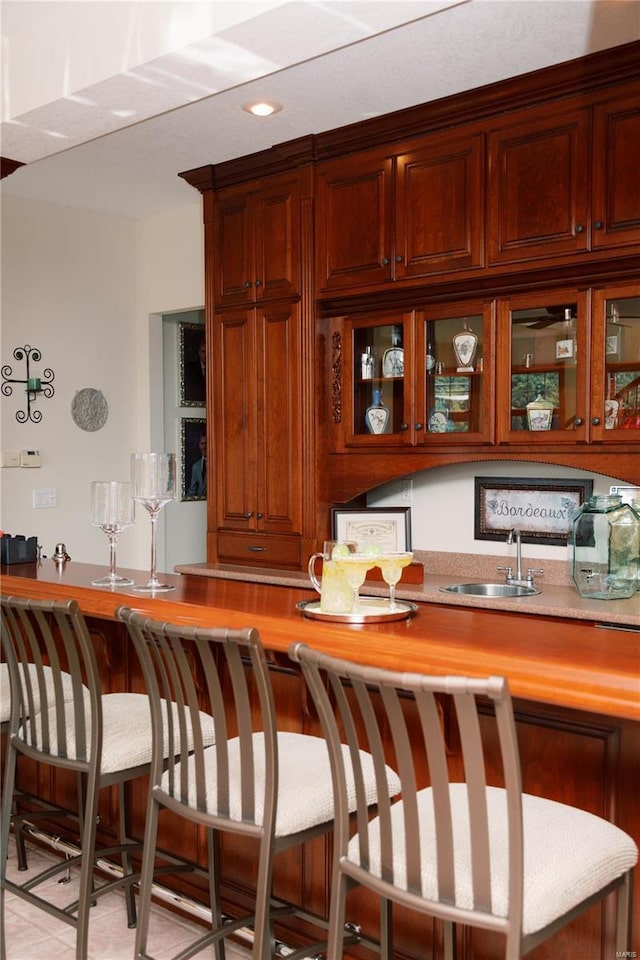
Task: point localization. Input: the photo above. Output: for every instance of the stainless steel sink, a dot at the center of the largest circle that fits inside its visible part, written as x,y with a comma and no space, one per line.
490,590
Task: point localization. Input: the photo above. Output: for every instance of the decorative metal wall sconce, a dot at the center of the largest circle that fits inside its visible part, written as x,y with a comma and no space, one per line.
33,385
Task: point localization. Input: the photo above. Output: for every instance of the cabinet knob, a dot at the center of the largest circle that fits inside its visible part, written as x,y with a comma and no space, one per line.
248,514
258,283
419,426
398,258
246,284
404,426
385,261
597,224
578,422
579,228
595,421
259,516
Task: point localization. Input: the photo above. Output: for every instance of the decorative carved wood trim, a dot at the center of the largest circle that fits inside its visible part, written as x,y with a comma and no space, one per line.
336,377
8,166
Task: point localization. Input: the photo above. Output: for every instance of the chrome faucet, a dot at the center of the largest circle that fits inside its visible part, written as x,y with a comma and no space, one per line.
518,578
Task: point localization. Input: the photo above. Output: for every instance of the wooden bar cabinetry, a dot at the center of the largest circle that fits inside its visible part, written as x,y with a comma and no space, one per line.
576,699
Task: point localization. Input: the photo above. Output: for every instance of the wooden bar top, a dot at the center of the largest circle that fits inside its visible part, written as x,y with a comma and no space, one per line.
573,664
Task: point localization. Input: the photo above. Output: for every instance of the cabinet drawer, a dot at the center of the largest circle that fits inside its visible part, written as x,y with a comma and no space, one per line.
259,550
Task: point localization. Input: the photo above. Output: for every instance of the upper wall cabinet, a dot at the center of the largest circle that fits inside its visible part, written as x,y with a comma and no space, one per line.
415,212
257,241
563,182
538,186
616,194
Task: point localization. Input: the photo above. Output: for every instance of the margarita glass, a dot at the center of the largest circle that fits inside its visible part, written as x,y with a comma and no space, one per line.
355,567
391,566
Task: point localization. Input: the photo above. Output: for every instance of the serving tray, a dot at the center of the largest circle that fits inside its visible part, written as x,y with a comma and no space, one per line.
372,610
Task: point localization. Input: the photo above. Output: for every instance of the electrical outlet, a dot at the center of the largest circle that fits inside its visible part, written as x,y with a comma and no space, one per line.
406,490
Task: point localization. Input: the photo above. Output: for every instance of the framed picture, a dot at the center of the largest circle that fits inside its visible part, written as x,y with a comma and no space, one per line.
193,457
192,353
564,349
540,509
388,527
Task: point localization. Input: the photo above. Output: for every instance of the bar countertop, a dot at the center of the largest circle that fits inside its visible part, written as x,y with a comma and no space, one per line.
573,663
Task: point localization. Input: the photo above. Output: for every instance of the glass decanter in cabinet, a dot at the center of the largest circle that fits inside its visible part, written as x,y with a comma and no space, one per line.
615,412
377,387
453,383
542,375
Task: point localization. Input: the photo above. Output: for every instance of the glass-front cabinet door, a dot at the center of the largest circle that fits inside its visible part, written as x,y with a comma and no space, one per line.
378,362
453,380
615,405
421,377
542,369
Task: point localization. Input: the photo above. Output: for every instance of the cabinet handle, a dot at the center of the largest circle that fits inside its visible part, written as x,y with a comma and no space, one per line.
248,514
246,284
385,261
258,283
595,421
404,426
254,549
579,228
578,422
259,516
597,224
419,426
398,258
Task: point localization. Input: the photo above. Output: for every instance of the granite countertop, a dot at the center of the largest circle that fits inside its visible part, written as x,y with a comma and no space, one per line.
558,596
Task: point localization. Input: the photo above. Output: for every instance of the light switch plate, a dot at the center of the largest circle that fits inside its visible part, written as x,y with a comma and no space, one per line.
11,459
45,498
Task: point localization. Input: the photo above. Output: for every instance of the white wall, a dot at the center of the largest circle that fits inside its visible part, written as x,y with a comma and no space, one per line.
442,506
84,288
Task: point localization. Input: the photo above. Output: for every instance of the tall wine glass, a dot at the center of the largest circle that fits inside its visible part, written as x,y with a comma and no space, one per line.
154,479
112,509
391,566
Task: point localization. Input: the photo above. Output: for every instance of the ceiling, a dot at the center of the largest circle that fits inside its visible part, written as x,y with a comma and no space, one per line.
107,102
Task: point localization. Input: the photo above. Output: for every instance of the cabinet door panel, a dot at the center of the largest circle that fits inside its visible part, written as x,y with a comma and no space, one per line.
616,204
439,207
538,188
235,431
277,223
279,419
233,238
354,222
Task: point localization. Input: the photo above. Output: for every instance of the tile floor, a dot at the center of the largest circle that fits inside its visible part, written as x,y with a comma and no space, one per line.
32,934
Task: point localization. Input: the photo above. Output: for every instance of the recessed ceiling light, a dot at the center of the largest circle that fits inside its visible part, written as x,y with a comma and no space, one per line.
262,109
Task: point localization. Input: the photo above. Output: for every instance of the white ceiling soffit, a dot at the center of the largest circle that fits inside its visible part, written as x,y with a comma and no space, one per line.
133,171
58,105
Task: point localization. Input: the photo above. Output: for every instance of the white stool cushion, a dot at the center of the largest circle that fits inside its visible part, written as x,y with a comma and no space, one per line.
5,691
569,854
126,731
305,789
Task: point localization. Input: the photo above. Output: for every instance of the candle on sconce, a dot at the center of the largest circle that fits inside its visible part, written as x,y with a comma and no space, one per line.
34,383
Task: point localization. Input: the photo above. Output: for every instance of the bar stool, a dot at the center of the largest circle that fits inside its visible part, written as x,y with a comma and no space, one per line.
255,781
37,807
465,852
90,734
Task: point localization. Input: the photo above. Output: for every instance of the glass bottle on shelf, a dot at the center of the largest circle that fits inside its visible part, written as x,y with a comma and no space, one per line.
377,415
393,357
